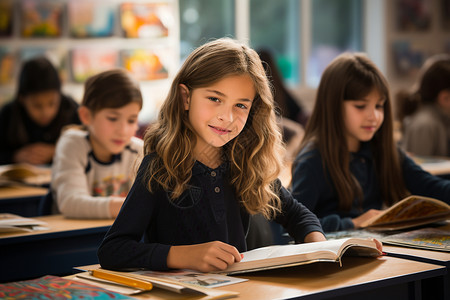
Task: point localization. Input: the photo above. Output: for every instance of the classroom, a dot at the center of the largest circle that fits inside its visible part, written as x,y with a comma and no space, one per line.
159,137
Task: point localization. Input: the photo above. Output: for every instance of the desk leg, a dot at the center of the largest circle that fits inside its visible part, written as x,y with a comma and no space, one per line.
415,289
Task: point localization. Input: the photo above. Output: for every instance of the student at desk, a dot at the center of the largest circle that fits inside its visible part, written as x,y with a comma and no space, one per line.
212,160
32,122
349,167
425,113
93,166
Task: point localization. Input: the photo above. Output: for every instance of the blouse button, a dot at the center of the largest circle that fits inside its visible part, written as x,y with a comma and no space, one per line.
213,173
217,189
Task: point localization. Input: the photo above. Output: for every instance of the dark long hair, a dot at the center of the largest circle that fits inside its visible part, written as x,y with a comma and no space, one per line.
435,78
353,76
36,75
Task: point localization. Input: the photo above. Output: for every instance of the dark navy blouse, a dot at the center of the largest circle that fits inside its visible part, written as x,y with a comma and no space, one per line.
150,223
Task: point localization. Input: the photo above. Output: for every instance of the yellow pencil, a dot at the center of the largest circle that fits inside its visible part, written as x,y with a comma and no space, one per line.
136,283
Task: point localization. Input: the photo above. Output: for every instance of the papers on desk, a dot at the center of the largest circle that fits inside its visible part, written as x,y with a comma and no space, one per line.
15,223
24,173
177,281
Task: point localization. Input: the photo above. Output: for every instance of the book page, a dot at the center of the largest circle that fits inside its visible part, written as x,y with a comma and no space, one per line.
287,250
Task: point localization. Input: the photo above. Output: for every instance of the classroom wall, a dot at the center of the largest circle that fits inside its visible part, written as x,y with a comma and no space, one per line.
397,48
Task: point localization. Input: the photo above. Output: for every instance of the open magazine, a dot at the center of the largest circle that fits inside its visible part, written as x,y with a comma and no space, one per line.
410,212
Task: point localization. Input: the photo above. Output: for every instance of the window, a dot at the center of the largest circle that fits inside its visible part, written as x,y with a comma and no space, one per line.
274,25
202,20
303,35
336,28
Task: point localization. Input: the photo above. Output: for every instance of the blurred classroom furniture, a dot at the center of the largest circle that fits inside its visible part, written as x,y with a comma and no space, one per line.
21,199
439,166
56,250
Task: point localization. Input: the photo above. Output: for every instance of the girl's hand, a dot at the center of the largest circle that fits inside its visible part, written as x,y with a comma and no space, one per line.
205,257
365,216
379,244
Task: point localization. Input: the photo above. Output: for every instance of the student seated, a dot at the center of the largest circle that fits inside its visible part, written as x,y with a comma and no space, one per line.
349,167
211,162
31,123
92,170
425,113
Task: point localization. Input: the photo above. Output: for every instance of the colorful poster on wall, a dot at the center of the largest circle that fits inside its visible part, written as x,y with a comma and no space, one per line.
57,56
91,18
408,57
145,64
145,20
41,18
6,19
413,15
86,62
7,65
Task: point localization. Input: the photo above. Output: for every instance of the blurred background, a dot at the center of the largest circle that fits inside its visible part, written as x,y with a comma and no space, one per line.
152,38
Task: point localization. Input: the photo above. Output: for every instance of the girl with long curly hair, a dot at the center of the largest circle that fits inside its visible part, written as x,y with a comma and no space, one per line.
211,161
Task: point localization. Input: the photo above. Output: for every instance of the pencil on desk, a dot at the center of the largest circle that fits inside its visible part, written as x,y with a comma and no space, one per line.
136,283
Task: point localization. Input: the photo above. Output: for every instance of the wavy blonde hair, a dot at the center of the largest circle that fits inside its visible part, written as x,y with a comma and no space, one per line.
255,154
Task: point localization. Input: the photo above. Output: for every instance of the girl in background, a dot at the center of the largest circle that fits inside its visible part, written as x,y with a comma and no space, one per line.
349,167
92,170
425,114
32,122
211,161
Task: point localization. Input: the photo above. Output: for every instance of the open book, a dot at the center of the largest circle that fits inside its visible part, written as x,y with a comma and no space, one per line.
24,173
15,223
410,212
280,256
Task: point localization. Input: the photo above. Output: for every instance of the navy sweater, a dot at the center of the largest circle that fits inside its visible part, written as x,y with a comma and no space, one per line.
315,190
149,223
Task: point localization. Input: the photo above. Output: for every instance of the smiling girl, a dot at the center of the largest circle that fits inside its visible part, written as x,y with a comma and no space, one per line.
211,161
92,170
349,167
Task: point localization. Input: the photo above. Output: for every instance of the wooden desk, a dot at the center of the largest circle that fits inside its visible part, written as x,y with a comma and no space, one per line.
358,278
21,199
439,166
66,244
442,285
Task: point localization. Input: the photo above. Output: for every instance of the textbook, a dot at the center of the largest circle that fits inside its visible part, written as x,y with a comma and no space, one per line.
24,173
410,212
280,256
424,238
15,223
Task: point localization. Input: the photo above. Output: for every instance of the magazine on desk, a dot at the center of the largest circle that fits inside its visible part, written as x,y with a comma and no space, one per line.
410,212
424,238
280,256
24,173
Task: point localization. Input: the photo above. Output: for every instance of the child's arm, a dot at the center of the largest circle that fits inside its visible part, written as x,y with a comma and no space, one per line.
205,257
299,221
69,179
